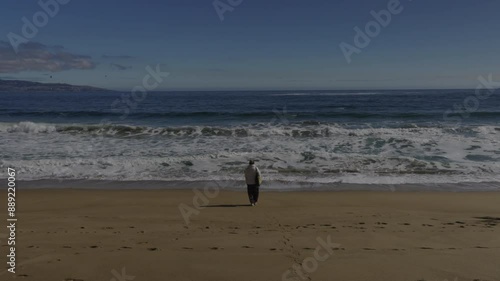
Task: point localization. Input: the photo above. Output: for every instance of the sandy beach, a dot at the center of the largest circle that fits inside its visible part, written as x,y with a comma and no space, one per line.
141,235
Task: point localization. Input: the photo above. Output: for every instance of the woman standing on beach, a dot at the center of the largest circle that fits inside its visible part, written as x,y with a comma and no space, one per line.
253,179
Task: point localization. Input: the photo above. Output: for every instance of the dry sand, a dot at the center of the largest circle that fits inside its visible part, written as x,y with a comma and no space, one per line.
94,235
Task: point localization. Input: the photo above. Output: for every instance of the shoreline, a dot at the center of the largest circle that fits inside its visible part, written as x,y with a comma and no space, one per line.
267,186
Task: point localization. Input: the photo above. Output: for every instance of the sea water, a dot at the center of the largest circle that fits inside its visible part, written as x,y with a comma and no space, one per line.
298,138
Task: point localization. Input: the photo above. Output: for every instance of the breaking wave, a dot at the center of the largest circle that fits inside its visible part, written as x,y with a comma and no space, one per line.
310,152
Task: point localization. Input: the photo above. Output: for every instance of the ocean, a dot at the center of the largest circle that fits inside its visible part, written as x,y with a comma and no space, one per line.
303,139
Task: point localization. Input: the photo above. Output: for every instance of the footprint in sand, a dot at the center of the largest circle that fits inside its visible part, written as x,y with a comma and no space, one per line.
489,221
152,249
246,247
368,249
187,248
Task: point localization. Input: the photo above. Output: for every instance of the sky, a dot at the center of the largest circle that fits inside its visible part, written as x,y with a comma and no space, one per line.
252,44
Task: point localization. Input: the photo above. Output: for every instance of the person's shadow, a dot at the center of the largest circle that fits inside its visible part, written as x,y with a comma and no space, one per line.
227,206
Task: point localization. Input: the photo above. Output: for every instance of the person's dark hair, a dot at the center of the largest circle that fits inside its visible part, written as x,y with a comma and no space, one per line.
251,162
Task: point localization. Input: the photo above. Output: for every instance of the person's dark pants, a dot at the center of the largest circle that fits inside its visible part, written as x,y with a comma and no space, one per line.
253,193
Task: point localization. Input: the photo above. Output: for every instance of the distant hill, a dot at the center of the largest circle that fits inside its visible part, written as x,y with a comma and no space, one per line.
27,86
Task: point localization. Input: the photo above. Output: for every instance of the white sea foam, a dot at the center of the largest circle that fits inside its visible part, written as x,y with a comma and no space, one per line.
328,94
27,127
315,154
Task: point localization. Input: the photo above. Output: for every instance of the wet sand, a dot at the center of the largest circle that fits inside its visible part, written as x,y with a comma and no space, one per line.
141,235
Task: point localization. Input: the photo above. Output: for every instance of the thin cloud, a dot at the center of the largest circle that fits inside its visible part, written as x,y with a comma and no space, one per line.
35,56
33,79
117,57
119,66
366,80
